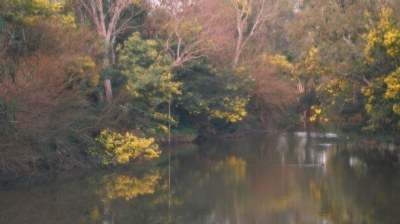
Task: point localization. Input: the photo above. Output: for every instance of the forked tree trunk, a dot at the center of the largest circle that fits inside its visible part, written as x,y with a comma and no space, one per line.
106,17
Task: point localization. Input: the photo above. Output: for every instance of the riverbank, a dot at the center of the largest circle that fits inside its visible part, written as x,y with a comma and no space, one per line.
285,175
78,158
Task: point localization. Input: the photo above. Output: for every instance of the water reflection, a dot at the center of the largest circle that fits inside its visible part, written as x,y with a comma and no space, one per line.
112,187
115,186
307,149
361,187
276,178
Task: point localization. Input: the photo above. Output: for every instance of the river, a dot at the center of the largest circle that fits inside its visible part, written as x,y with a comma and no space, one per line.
279,178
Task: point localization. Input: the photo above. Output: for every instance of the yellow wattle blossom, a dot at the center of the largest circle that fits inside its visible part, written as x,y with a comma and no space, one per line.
393,89
386,34
311,61
68,21
383,37
396,108
53,9
235,110
85,68
317,115
39,5
278,60
393,85
121,149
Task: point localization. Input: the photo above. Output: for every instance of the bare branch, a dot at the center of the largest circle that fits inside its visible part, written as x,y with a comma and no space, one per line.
189,33
106,17
243,9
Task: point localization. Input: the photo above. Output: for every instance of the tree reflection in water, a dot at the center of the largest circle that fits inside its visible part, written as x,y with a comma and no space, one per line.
276,178
361,186
114,187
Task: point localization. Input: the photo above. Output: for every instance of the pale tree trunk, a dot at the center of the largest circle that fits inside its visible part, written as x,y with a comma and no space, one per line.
106,17
107,81
108,90
112,51
238,49
306,113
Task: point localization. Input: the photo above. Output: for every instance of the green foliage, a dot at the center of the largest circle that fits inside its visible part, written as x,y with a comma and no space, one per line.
184,133
50,74
149,82
43,71
7,116
341,100
2,24
86,73
215,94
383,93
393,89
232,96
117,149
306,73
380,109
324,39
28,11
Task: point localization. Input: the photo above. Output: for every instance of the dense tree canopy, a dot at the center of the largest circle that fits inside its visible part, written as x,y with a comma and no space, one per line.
197,67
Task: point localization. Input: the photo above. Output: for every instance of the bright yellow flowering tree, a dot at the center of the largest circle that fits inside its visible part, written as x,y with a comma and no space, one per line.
382,54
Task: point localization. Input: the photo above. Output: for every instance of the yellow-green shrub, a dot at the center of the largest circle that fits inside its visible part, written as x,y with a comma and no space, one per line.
117,149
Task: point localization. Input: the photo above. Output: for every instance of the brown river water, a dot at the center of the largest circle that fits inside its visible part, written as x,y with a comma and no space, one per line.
279,178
